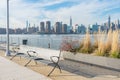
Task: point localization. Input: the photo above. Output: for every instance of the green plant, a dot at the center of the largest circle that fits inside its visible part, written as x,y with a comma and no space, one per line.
115,55
86,50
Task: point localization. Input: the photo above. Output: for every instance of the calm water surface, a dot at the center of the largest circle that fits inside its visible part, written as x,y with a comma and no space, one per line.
41,40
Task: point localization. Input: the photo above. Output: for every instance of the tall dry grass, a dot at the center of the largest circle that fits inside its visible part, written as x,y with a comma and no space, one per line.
109,37
101,45
86,48
115,52
105,44
96,38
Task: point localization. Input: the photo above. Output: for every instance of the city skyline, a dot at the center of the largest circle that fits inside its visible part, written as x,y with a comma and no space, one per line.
82,12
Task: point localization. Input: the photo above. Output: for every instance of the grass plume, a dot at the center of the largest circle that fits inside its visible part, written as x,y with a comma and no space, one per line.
115,52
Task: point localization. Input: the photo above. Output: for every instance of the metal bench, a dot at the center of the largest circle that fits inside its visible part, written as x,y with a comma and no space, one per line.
32,55
56,63
15,52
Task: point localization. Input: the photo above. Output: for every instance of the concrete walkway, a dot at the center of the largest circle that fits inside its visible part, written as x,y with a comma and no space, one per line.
70,71
12,71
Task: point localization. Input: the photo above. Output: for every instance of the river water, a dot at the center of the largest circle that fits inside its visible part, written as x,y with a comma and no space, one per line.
45,41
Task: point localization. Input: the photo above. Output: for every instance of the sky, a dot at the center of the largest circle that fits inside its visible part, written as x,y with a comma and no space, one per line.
82,11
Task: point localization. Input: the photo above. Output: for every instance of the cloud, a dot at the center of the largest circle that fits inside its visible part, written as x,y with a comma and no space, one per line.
82,11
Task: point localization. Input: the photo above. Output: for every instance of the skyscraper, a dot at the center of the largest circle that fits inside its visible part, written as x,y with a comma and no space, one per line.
48,26
118,24
64,28
42,26
27,24
58,27
109,19
70,22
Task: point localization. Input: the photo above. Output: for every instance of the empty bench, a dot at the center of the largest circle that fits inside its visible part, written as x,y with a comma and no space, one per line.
33,56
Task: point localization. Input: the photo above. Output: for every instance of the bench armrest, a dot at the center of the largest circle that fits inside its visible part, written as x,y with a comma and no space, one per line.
32,53
53,59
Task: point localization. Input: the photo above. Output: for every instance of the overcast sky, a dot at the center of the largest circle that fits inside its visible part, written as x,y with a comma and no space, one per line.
82,11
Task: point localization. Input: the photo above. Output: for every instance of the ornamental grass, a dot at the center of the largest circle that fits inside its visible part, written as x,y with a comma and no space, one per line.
86,48
108,41
115,48
101,45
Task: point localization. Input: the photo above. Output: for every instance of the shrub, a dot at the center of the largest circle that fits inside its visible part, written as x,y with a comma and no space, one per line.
115,55
69,45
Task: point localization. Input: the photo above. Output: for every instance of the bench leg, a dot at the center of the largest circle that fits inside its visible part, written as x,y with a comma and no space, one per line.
52,70
56,65
27,62
59,68
35,62
13,56
20,57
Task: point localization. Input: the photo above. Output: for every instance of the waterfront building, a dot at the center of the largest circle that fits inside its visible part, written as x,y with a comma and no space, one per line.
93,28
18,31
64,28
101,28
109,22
27,25
68,29
70,21
81,29
24,31
113,26
75,28
118,24
37,29
32,30
48,27
42,27
105,27
90,29
71,28
58,27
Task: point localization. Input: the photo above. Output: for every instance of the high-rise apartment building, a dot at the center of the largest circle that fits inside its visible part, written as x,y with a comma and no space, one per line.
27,25
58,27
118,24
48,26
109,22
42,26
64,28
70,21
